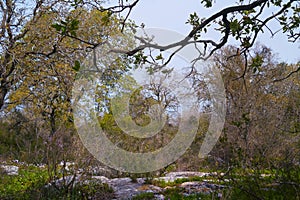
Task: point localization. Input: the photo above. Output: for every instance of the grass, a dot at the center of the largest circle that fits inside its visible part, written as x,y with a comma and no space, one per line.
31,184
144,196
24,185
241,185
163,183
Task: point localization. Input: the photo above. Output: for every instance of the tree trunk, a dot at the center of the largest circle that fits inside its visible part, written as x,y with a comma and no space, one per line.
3,93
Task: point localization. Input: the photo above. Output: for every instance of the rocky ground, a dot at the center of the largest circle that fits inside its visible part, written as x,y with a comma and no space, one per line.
126,188
188,183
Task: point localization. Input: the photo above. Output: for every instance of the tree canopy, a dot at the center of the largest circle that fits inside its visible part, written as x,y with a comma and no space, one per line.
243,22
47,45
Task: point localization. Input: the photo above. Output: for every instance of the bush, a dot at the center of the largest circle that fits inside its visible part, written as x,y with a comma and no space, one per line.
24,186
32,183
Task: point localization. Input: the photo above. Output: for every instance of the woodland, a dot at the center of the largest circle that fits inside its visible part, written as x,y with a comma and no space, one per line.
43,44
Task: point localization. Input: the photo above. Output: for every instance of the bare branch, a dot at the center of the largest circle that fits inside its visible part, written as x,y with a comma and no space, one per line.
289,75
223,13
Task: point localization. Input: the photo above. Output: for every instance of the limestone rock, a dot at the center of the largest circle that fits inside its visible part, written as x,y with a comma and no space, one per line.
10,169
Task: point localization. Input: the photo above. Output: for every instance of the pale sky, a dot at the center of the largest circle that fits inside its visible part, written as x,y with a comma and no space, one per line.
172,14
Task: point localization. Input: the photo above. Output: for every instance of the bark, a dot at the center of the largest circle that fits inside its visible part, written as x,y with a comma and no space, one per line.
3,93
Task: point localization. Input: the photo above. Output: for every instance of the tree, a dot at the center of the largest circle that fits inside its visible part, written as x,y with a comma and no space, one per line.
48,58
17,20
21,45
43,43
260,122
243,22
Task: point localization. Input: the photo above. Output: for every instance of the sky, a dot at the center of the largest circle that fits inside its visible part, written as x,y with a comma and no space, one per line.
172,15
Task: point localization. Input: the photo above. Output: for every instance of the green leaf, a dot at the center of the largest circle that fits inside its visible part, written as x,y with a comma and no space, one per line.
167,71
207,3
257,62
106,18
74,24
247,20
234,26
159,57
57,26
76,66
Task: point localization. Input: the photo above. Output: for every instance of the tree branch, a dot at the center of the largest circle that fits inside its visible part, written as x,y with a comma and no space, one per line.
185,41
289,75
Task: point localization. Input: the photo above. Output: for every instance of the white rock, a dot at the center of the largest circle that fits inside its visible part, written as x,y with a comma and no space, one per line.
103,179
10,169
67,165
189,174
159,197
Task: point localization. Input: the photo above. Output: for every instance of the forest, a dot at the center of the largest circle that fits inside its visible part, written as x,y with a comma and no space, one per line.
52,50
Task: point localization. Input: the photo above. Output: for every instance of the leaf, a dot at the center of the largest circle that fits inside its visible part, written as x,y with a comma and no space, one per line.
257,62
58,27
159,57
234,26
207,3
76,66
74,24
167,71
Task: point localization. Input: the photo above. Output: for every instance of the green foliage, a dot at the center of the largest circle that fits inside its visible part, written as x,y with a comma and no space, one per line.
8,145
144,196
257,62
235,27
173,193
207,3
109,125
67,27
32,183
17,142
243,184
76,66
139,58
106,18
25,185
263,184
88,190
159,57
195,21
177,194
40,82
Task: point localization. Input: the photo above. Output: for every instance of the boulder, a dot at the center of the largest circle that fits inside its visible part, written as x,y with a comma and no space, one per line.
10,169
